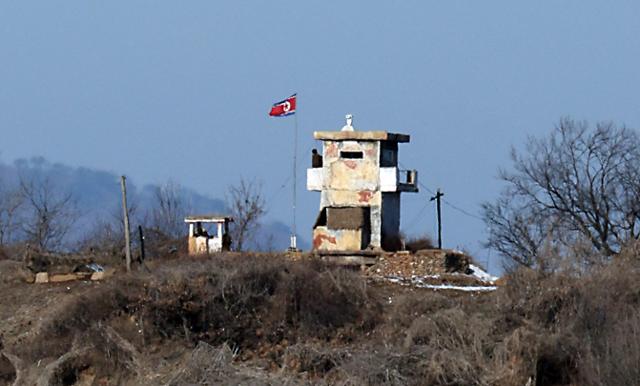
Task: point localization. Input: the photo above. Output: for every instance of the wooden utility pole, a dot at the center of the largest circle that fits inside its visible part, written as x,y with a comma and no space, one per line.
127,230
437,199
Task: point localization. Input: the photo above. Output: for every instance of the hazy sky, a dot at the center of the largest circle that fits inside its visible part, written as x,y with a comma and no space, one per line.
181,89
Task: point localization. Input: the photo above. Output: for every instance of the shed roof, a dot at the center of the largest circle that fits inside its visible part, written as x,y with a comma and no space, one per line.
360,136
208,218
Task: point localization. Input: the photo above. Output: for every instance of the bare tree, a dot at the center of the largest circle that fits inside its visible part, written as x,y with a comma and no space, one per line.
513,232
169,209
577,183
106,233
11,201
247,208
49,214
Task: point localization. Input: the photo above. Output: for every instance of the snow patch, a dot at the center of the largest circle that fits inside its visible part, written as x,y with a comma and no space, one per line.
482,274
470,288
419,282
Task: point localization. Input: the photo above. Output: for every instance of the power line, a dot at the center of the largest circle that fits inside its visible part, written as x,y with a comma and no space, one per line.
284,184
426,188
462,210
417,217
452,206
449,204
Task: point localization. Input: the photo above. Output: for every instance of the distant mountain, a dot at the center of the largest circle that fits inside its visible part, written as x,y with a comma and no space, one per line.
97,195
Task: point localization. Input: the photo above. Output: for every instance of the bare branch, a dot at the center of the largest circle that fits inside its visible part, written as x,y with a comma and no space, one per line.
11,201
169,210
247,208
585,178
49,214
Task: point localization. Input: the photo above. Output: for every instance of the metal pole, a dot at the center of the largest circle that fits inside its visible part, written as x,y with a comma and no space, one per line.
437,197
141,235
127,230
294,246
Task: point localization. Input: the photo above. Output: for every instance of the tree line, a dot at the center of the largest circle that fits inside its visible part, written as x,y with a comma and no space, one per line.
574,193
41,214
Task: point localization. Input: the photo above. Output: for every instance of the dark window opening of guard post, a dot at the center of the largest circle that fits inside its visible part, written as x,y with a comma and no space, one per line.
351,154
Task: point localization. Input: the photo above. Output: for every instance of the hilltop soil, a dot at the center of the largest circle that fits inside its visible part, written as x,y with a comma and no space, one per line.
266,320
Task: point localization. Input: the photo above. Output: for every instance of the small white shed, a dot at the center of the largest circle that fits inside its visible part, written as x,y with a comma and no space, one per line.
208,233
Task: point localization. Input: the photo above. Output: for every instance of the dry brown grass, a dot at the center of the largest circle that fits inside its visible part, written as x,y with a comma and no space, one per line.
587,327
248,303
266,320
7,371
244,301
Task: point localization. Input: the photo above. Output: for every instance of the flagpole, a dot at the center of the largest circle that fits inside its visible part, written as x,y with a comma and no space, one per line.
293,245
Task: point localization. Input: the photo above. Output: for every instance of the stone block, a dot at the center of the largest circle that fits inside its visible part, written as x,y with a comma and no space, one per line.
42,277
63,278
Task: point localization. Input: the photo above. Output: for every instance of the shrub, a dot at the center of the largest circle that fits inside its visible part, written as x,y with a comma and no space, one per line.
244,300
456,262
587,327
415,244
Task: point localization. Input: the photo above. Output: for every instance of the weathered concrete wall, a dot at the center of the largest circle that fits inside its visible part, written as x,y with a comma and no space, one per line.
191,246
352,182
350,174
201,245
338,239
376,227
350,198
198,245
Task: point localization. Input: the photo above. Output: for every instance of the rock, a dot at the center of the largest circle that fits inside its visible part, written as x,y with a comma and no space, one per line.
83,275
42,277
63,278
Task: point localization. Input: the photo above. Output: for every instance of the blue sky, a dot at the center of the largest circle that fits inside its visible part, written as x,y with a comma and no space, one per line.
181,90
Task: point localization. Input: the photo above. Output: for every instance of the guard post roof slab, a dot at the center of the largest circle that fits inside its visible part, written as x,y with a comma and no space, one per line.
208,218
360,136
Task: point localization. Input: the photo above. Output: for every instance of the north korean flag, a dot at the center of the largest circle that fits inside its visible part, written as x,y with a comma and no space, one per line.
284,108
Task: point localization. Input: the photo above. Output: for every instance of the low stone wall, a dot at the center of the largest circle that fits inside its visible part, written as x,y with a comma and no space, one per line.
422,263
